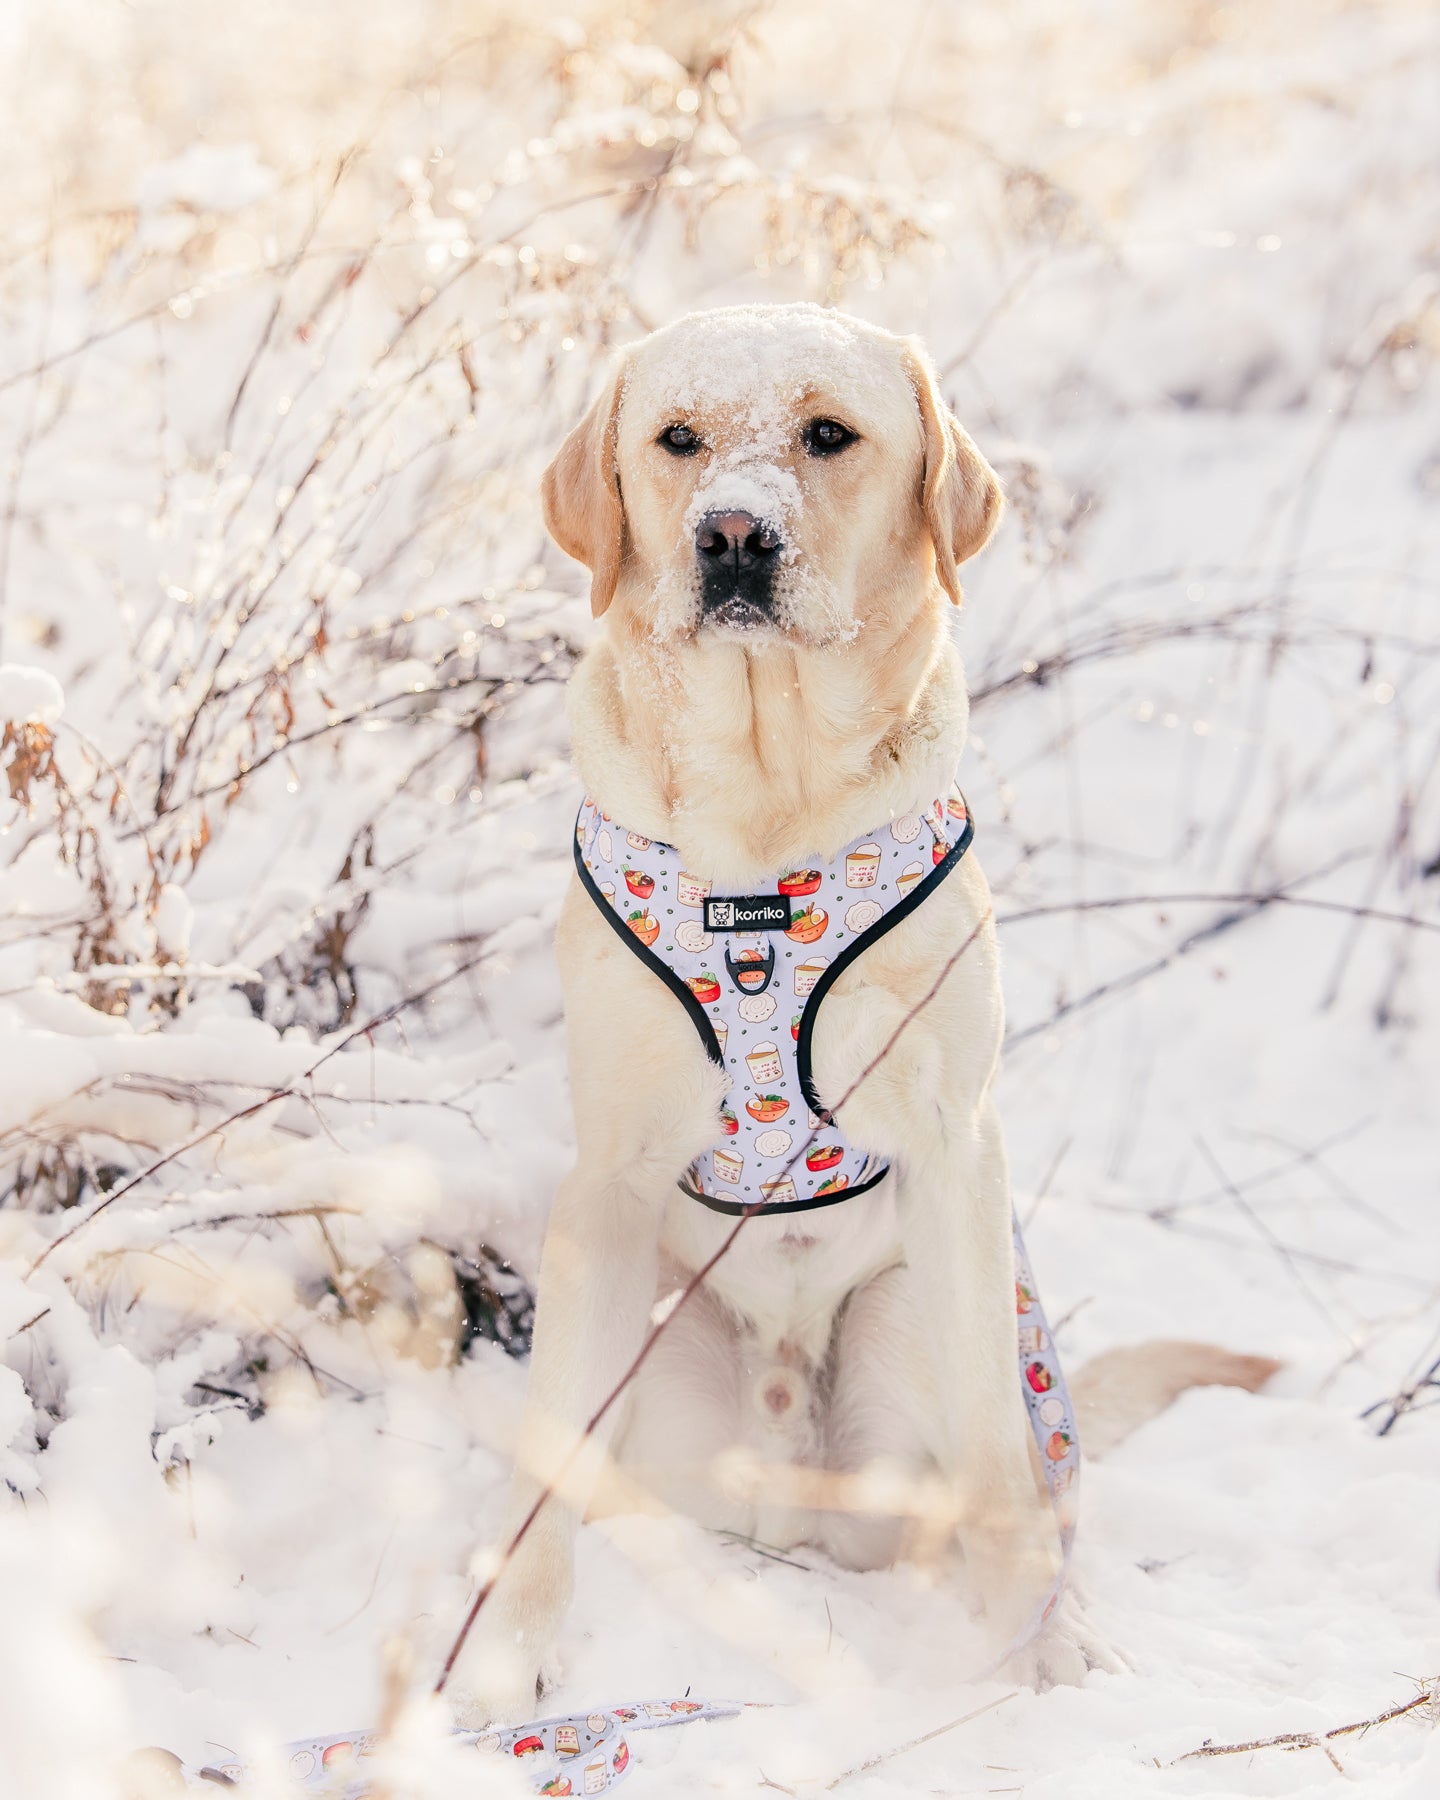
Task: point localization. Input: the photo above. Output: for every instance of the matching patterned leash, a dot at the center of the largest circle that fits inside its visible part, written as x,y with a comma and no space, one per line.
1052,1420
581,1753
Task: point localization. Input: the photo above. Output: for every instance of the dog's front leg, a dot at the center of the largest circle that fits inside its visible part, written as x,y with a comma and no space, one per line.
595,1293
955,1220
596,1289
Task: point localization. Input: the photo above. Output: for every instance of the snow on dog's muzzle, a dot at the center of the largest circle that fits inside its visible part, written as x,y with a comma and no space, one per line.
741,518
737,554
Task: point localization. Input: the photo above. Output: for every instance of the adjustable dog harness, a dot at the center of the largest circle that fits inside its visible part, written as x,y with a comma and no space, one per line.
752,971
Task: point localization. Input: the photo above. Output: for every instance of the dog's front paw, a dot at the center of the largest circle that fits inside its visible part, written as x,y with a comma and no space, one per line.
496,1683
1065,1652
509,1659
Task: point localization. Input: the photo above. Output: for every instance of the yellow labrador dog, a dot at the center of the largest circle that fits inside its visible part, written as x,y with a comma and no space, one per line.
775,503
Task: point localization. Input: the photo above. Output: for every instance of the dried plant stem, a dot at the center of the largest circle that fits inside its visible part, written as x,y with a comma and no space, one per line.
914,1743
1428,1697
1247,906
1408,1398
1253,900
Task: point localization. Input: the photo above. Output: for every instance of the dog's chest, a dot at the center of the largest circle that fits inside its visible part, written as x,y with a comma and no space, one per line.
788,1276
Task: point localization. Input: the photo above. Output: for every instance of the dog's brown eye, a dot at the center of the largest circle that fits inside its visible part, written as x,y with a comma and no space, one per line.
679,440
823,437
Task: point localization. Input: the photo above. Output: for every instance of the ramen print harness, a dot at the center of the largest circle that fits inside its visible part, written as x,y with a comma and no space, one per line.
752,971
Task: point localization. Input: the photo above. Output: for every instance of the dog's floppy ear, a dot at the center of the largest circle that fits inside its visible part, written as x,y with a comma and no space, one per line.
581,490
961,496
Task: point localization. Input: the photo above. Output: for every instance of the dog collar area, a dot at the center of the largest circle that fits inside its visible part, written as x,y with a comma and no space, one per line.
752,970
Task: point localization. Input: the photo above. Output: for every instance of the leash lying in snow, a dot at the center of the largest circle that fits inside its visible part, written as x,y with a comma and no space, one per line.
581,1753
1052,1419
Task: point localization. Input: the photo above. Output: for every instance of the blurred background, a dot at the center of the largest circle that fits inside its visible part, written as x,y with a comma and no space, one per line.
297,302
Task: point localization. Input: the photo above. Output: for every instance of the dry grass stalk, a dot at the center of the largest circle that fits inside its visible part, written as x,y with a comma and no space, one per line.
1425,1704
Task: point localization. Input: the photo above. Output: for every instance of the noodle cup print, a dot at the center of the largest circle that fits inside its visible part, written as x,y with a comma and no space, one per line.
597,1776
604,848
808,973
1032,1340
729,1166
690,890
779,1192
691,935
862,915
567,1740
764,1064
773,1143
906,829
862,865
907,878
607,888
755,1009
722,1033
636,842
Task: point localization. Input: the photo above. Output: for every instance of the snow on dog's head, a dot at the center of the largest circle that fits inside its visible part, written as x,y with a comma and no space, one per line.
774,472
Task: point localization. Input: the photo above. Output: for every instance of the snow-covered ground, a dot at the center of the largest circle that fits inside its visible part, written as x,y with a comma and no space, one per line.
296,302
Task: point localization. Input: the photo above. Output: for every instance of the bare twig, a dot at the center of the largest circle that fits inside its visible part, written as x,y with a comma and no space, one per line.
885,1756
1407,1400
1427,1700
1248,906
1282,1250
1255,901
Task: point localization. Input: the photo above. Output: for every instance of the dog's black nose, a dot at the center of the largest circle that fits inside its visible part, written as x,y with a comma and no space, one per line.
737,541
